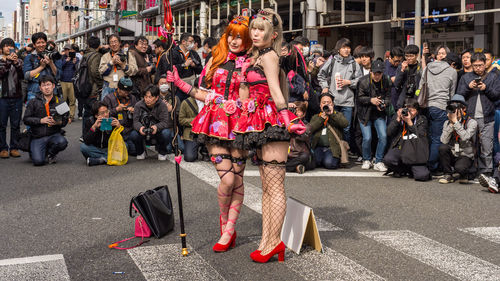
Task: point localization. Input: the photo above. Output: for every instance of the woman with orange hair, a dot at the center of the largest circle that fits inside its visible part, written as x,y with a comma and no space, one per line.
219,88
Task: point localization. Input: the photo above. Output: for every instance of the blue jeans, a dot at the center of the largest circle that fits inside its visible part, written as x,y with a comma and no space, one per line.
170,148
324,158
366,130
45,146
162,139
90,151
347,112
436,118
10,109
190,151
496,145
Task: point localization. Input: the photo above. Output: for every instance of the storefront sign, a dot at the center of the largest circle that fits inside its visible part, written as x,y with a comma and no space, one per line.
434,12
126,14
26,12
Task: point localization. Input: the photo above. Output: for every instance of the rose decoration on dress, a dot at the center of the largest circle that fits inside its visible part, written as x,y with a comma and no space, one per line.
251,106
219,100
239,104
216,159
240,61
229,107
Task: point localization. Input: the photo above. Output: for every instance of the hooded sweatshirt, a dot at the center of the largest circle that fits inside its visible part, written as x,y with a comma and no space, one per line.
441,80
344,66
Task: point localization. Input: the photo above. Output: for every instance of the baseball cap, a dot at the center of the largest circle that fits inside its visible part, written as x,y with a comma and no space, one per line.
378,66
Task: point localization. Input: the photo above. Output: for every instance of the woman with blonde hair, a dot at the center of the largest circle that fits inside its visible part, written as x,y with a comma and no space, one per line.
215,123
265,124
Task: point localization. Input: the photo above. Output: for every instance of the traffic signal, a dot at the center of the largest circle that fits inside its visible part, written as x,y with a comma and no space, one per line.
69,8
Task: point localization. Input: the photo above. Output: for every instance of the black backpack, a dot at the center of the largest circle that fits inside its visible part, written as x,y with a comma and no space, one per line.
81,79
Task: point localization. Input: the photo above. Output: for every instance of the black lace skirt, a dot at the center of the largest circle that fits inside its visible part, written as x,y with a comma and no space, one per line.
208,140
255,140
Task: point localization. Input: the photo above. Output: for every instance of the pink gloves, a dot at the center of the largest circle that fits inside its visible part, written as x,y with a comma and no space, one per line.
285,116
174,77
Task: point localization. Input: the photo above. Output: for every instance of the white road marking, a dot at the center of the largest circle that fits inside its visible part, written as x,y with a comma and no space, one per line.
330,265
489,233
49,267
444,258
255,173
165,262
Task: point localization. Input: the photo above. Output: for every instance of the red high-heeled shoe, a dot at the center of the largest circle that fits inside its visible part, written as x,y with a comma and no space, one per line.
218,247
279,249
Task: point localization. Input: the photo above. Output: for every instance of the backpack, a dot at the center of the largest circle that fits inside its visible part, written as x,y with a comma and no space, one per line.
81,79
330,69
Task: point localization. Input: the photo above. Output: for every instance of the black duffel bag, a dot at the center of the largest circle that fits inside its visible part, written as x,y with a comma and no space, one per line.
156,208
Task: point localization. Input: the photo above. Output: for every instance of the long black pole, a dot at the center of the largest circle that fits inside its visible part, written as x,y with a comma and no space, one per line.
177,152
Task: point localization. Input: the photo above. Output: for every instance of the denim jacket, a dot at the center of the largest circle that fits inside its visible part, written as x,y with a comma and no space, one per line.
31,62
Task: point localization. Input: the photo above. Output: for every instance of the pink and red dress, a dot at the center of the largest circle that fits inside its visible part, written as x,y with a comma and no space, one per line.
216,121
258,121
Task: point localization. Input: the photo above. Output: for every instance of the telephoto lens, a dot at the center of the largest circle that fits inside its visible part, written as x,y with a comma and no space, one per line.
451,108
405,112
325,108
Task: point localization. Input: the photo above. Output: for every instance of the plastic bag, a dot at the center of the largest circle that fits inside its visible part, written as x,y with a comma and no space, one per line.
117,151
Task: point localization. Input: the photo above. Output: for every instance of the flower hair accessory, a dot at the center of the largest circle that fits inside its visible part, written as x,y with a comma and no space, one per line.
265,15
240,20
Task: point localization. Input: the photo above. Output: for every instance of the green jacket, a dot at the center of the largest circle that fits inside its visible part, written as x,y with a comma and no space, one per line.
337,121
186,116
94,74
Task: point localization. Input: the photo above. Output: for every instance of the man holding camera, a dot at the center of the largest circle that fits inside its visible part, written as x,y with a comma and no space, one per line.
457,148
115,65
68,64
39,63
187,62
407,76
11,98
374,97
95,139
121,106
150,124
46,121
481,91
326,148
145,68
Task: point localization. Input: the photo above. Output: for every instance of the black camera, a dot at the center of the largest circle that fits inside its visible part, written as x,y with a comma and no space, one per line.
123,57
57,118
195,61
405,111
72,55
52,55
382,103
147,121
325,109
452,107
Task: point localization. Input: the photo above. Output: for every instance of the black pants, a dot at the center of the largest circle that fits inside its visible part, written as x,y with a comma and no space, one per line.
302,159
392,161
87,110
190,150
461,164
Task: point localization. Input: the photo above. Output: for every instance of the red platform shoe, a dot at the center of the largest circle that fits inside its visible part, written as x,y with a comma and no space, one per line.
279,249
219,248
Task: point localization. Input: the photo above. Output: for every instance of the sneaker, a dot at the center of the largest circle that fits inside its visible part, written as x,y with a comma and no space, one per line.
366,165
80,118
447,179
463,180
488,182
141,156
15,153
95,161
51,159
4,154
162,157
300,169
359,160
81,139
380,167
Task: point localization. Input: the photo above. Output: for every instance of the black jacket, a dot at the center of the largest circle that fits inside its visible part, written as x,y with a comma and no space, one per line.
366,111
488,97
162,67
404,81
178,59
96,138
395,129
158,114
35,111
16,69
112,102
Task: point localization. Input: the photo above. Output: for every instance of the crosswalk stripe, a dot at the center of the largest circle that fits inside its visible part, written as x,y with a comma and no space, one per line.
49,267
165,262
255,173
488,233
446,259
330,265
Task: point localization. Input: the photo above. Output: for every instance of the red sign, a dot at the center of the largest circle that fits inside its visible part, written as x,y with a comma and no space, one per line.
103,4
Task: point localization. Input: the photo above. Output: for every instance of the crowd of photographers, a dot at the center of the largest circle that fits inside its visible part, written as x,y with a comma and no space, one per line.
412,113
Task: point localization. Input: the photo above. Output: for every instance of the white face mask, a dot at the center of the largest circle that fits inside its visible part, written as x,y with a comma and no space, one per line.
125,50
190,46
305,51
164,88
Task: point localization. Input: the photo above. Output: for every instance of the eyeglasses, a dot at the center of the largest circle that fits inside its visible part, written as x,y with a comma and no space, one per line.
478,65
102,113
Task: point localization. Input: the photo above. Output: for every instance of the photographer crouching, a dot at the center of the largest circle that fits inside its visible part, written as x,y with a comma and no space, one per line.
46,123
458,136
150,124
407,126
326,148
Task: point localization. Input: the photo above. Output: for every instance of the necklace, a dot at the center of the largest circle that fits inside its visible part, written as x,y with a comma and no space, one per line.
265,50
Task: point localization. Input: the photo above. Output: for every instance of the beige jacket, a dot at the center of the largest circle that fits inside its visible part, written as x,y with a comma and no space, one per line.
107,70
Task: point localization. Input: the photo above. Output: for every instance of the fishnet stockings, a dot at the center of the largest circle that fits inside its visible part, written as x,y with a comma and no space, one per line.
273,205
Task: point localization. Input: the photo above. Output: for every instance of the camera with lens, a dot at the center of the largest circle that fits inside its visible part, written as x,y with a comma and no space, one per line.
325,109
53,55
123,56
382,103
147,121
57,118
128,114
195,61
452,107
405,112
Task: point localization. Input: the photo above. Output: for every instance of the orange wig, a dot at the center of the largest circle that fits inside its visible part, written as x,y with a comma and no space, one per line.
237,26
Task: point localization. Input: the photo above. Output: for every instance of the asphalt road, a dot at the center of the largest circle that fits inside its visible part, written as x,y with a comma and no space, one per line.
60,218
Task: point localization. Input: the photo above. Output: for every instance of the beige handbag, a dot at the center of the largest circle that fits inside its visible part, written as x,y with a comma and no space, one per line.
344,147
